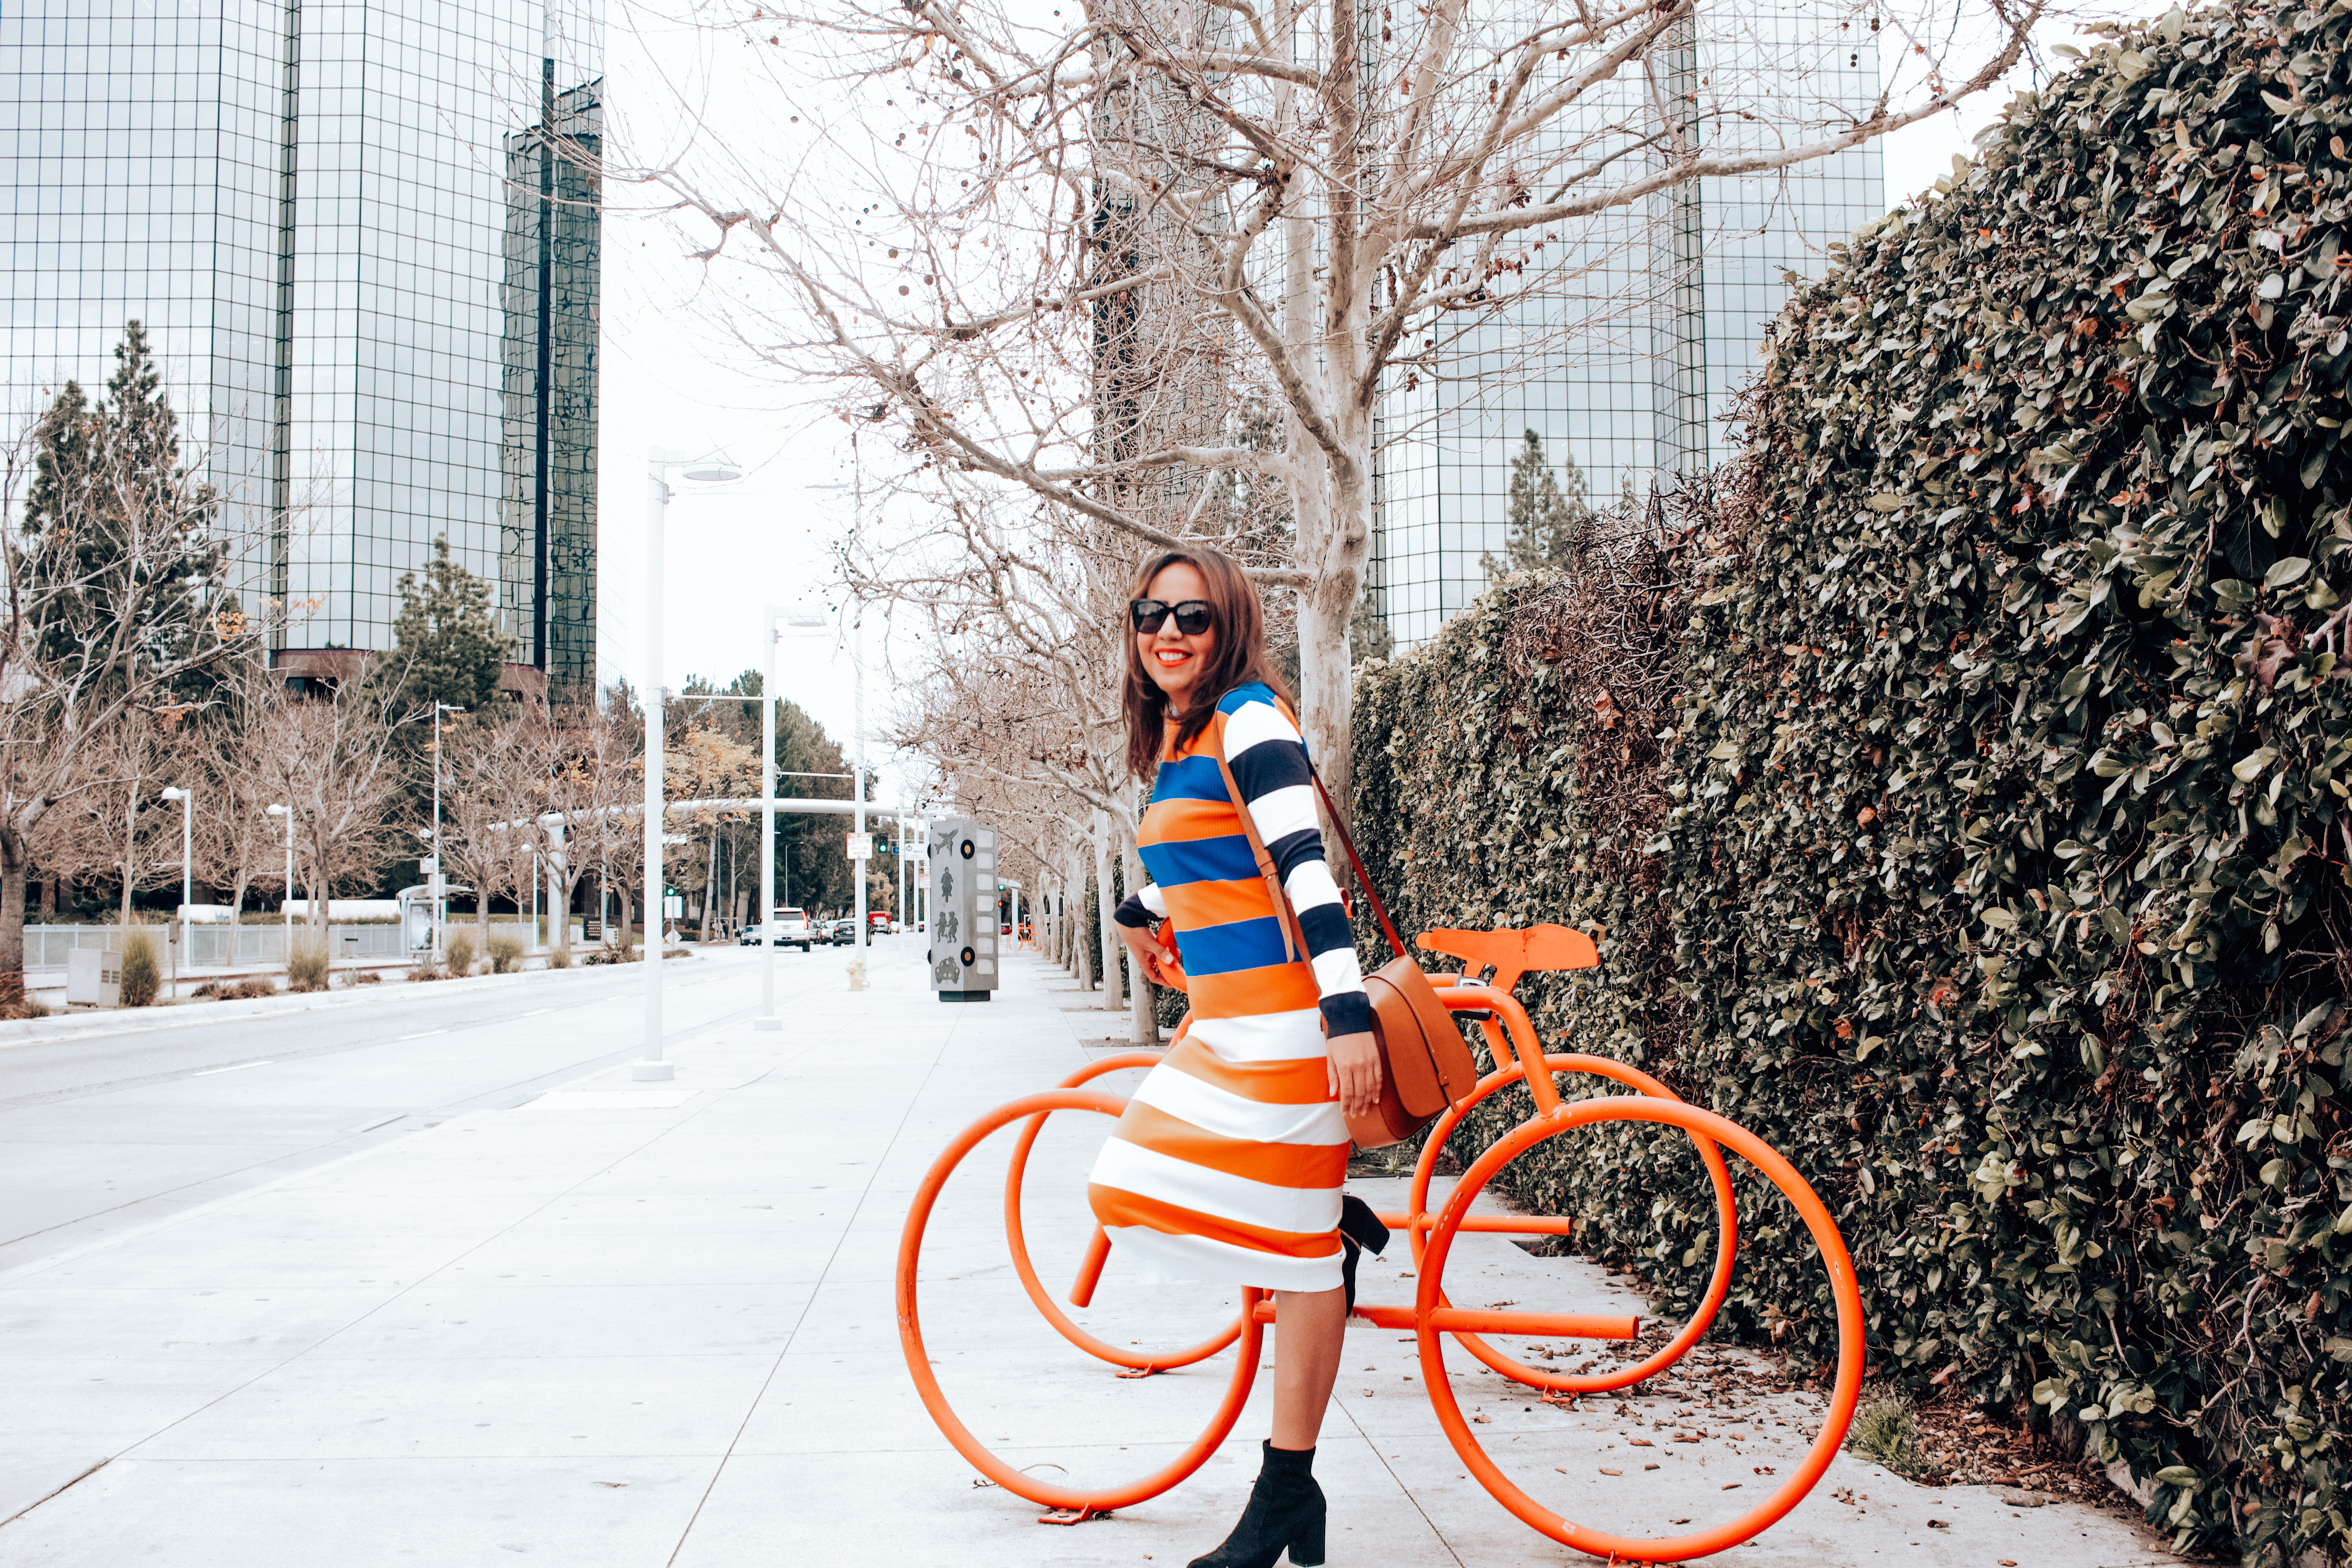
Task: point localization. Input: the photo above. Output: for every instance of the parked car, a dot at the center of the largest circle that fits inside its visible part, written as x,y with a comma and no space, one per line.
879,923
792,929
844,934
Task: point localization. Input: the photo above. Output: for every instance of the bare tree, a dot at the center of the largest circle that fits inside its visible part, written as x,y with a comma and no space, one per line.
238,845
337,766
486,792
584,772
102,624
1129,258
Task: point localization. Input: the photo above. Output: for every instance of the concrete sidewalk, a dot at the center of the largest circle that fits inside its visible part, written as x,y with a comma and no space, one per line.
633,1325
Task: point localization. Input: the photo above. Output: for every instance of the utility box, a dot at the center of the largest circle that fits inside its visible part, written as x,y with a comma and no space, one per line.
962,924
94,977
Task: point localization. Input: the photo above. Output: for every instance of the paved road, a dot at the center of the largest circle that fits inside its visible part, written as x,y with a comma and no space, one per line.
100,1134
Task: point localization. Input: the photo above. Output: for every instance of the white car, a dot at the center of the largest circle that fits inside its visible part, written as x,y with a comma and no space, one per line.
791,929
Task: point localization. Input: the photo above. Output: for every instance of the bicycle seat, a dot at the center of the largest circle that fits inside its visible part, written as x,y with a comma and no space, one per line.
1513,952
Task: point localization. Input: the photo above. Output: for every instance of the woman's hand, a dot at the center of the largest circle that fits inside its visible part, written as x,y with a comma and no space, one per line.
1355,1073
1156,960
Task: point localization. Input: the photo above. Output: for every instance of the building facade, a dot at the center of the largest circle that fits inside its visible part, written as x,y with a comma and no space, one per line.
1652,318
364,237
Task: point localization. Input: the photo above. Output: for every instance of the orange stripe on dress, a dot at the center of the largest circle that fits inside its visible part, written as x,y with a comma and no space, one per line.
1318,1167
1116,1205
1181,821
1298,1081
1194,906
1240,992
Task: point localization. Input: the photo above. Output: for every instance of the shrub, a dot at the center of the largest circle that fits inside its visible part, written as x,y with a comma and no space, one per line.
306,966
461,952
558,958
246,990
363,977
1887,1429
506,954
424,972
143,974
1971,843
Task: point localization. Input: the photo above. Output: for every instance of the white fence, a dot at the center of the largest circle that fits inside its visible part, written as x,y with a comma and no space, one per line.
46,946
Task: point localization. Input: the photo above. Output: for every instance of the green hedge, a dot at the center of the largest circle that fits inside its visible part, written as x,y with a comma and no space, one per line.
1999,874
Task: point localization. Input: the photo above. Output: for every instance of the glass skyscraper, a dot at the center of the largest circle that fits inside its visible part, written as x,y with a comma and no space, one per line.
1627,358
364,240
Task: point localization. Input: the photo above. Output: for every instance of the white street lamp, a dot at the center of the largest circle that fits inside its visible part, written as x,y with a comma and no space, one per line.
712,469
771,639
286,903
436,890
187,878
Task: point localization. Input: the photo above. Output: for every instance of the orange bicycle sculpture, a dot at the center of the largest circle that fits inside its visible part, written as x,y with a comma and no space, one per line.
1504,956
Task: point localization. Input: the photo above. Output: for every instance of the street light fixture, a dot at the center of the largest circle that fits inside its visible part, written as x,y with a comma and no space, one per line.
187,800
715,468
436,889
771,639
286,903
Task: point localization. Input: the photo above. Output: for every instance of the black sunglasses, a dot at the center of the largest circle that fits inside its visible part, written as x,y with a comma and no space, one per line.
1193,616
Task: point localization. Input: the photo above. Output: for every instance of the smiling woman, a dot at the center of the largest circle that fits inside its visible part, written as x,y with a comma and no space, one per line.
1227,1163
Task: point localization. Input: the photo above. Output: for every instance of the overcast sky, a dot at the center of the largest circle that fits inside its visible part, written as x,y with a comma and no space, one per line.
671,378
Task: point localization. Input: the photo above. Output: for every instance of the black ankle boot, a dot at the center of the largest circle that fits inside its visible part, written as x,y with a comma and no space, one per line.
1360,1230
1359,1225
1286,1511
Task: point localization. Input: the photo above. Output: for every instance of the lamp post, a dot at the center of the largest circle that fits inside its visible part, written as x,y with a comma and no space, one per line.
770,640
713,469
286,903
436,888
187,860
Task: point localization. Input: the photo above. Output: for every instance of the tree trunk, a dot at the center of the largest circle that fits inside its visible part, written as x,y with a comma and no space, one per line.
1143,1021
1113,998
14,863
620,892
1081,957
710,885
49,898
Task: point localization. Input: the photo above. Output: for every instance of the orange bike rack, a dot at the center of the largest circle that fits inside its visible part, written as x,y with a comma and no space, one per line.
1511,1036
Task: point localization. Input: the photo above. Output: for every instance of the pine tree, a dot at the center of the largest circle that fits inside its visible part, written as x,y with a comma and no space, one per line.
1550,518
446,645
109,490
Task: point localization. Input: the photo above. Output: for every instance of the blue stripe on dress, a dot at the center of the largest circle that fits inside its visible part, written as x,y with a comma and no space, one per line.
1223,859
1193,778
1237,944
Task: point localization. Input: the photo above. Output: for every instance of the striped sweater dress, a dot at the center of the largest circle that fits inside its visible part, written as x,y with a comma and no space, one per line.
1227,1163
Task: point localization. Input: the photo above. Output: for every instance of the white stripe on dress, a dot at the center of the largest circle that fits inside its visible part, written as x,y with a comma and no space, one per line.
1229,1115
1254,721
1278,812
1261,1206
1264,1036
1157,1258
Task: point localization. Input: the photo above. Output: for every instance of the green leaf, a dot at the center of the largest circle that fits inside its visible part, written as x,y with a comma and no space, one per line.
2246,769
2285,570
2172,1475
1885,501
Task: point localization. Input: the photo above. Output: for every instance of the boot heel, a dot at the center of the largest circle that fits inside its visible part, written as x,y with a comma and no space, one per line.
1306,1546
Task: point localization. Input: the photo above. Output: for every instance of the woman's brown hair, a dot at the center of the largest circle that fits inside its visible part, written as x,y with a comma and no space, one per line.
1237,659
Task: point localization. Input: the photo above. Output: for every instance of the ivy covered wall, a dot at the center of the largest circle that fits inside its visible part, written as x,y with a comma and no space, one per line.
1972,822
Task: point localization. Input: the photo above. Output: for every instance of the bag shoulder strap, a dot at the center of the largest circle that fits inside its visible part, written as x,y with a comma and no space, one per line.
1294,939
1396,943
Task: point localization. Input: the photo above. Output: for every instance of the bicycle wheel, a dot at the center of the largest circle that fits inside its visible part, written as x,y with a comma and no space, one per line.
1726,1246
926,1384
1843,1289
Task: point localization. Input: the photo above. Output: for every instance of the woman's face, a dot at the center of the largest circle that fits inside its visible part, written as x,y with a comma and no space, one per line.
1175,661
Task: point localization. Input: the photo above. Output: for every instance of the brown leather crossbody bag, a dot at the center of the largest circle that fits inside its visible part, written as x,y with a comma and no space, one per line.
1425,1064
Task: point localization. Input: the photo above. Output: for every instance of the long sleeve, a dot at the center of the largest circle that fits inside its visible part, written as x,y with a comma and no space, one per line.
1146,905
1268,759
